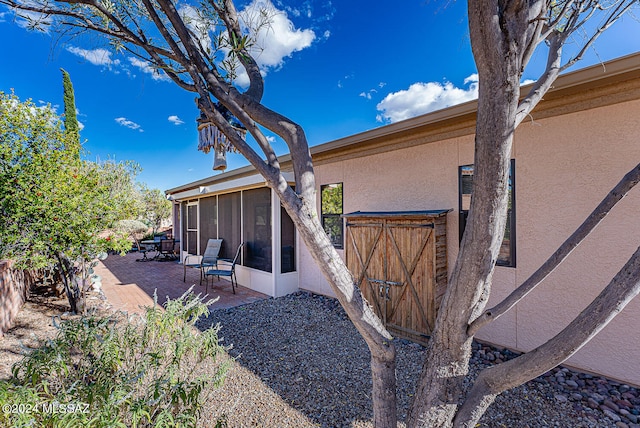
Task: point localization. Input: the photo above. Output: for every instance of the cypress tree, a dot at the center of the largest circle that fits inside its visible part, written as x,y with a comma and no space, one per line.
70,119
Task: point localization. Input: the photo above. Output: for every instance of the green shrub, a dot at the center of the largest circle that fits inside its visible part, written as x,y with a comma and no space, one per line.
118,372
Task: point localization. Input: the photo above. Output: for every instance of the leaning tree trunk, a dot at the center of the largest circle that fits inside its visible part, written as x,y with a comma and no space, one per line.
380,342
449,350
75,296
495,38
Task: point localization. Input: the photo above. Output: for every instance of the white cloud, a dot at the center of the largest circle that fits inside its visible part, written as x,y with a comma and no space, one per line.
471,79
347,77
123,121
78,114
175,120
145,67
273,42
526,82
52,107
369,94
271,139
198,24
100,57
423,98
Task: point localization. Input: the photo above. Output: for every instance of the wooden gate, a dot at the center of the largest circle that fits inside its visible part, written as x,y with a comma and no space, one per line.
399,261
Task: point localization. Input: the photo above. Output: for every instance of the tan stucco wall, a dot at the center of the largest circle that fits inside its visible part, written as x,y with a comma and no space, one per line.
564,166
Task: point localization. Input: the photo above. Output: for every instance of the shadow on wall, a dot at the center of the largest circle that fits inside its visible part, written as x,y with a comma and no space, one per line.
14,287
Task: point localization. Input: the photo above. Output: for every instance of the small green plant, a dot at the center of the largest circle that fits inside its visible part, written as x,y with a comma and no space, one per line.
119,371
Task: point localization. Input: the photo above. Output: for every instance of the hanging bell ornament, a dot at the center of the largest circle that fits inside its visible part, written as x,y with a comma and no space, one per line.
210,137
220,158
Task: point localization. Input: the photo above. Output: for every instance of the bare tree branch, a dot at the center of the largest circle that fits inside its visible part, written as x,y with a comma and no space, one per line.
562,24
544,82
496,379
227,12
621,9
606,205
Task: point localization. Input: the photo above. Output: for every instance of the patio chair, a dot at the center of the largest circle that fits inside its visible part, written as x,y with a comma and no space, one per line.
166,249
228,270
209,259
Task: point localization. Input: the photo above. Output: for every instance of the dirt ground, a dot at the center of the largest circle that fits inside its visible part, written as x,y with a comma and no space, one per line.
34,325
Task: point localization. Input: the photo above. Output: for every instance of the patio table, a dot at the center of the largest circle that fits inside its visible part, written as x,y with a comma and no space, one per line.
149,245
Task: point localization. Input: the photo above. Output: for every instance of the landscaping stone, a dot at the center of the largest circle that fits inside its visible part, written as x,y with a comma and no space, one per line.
304,348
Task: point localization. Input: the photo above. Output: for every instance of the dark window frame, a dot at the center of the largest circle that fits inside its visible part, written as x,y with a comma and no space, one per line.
192,231
511,220
337,245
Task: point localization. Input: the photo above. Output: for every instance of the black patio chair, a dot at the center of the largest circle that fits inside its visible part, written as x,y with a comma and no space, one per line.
167,250
225,267
208,260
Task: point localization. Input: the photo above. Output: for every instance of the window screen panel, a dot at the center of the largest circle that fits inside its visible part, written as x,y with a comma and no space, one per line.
208,221
256,205
229,223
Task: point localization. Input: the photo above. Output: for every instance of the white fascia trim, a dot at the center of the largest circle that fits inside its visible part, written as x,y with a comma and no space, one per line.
226,186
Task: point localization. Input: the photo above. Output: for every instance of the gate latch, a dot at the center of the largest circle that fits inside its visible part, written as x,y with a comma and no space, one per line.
383,288
384,292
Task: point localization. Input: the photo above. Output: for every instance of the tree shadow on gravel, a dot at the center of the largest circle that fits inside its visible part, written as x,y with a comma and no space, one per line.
305,349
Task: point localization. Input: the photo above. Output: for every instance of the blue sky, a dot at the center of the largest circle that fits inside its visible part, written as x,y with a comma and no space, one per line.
336,68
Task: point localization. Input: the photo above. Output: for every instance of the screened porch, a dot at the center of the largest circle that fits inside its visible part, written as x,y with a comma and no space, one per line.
251,214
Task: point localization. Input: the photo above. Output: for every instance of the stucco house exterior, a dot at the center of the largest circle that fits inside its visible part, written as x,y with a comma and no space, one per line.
578,143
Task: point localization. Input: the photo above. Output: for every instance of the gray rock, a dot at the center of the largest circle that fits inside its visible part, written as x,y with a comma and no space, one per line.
599,398
611,414
561,398
610,404
592,403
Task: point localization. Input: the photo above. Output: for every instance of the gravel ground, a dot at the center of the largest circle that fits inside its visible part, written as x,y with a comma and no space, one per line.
301,363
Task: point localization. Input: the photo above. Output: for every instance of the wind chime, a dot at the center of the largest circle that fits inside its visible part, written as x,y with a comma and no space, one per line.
210,137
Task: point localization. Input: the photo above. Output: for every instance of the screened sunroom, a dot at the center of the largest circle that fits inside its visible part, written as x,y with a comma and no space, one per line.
239,208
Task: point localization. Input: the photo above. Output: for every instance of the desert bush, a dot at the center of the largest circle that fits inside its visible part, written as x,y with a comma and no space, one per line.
119,371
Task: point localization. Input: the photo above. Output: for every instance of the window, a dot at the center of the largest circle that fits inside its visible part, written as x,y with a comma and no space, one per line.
256,207
507,255
208,221
229,224
331,208
287,242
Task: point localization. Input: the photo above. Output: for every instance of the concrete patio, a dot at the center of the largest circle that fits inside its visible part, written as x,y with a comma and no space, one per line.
129,285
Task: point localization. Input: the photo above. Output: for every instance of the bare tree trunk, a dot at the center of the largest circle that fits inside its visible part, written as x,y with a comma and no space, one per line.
499,65
74,295
436,400
380,342
383,376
